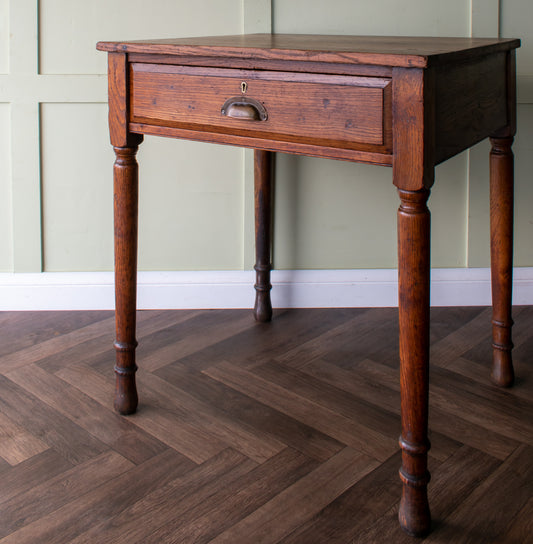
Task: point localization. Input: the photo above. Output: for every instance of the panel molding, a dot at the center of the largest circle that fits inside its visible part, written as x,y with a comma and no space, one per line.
25,145
256,17
39,88
234,289
484,18
484,22
26,187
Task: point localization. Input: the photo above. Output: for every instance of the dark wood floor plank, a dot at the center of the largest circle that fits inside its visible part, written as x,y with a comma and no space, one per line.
170,428
50,427
32,473
341,428
51,346
484,515
4,465
355,330
480,374
446,418
486,406
104,424
374,393
91,383
370,412
301,501
184,338
79,515
461,340
238,435
523,325
16,443
100,342
505,398
41,500
452,484
359,506
265,341
243,408
235,501
168,501
444,321
520,529
168,425
24,330
330,397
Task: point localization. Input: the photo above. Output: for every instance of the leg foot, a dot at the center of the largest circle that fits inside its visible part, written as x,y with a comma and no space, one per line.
502,373
414,515
263,305
126,399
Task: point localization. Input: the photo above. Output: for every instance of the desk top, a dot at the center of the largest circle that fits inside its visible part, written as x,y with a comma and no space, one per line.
376,50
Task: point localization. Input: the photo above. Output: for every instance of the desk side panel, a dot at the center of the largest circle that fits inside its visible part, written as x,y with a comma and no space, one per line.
471,103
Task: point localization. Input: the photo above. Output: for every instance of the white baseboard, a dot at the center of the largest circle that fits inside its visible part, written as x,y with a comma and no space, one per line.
234,289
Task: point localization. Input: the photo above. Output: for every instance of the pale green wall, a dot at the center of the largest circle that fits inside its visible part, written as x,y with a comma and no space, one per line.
377,17
323,217
196,210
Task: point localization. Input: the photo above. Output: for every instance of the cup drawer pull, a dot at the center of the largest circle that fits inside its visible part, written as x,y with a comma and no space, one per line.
242,107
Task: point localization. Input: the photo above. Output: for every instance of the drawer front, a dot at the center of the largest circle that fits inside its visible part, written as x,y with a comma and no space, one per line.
316,109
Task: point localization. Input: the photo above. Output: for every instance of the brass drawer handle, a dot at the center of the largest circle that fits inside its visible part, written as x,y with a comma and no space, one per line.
242,107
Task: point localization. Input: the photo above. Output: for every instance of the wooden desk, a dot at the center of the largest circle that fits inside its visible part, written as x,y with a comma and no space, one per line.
409,103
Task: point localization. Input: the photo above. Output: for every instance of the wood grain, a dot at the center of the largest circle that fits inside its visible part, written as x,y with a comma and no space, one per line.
380,50
332,111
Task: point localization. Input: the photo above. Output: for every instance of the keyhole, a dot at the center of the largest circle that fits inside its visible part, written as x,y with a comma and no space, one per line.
244,87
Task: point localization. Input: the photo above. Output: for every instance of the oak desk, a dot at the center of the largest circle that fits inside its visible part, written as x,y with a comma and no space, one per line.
409,103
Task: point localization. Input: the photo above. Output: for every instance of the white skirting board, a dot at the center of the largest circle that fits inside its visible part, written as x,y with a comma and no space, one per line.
234,289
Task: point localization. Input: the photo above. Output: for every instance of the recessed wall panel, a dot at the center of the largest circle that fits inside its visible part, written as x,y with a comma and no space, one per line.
4,36
523,187
191,206
324,219
6,231
77,188
515,22
190,197
384,17
340,215
479,236
448,205
69,30
334,215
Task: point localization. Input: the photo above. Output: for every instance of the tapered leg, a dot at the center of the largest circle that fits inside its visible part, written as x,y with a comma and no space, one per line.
125,211
501,241
263,233
414,279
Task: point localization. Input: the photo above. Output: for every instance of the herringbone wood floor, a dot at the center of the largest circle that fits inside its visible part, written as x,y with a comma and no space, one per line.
251,434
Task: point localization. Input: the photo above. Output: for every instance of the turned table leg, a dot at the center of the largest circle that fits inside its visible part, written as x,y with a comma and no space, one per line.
125,214
501,238
263,233
414,280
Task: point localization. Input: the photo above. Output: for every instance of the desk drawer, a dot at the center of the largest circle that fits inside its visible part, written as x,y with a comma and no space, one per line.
316,109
